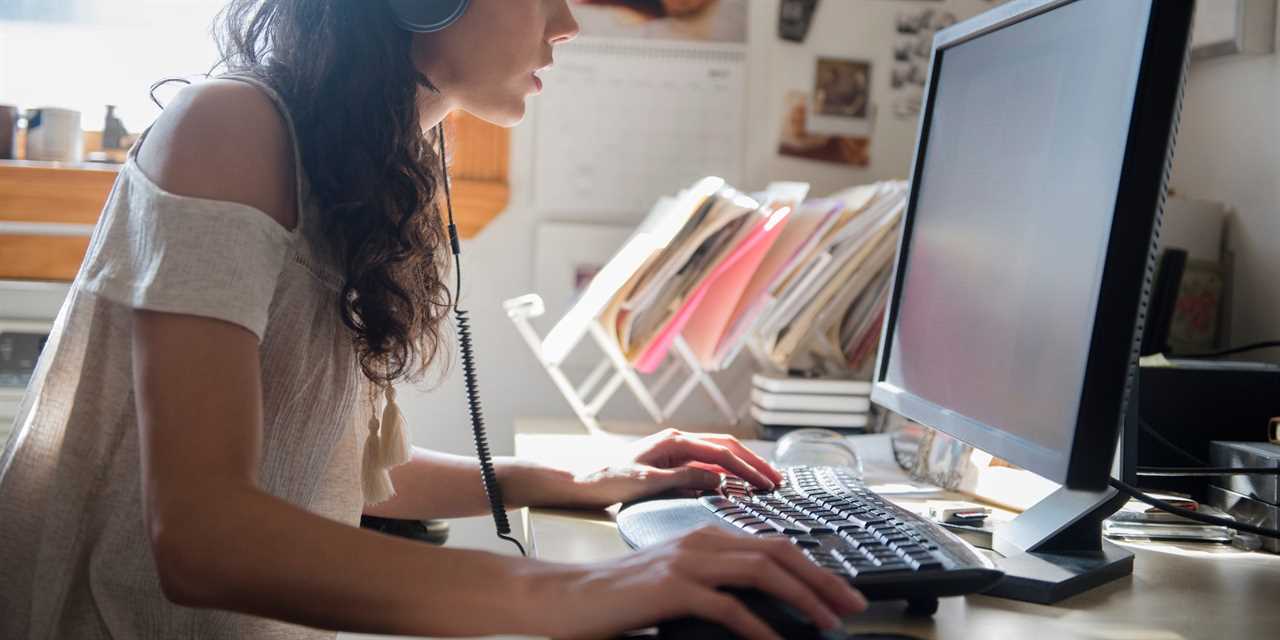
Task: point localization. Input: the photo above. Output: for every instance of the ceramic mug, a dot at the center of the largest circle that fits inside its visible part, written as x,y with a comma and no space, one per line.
54,135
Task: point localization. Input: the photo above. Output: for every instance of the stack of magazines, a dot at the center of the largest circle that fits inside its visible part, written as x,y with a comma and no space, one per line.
1137,521
823,310
802,283
783,403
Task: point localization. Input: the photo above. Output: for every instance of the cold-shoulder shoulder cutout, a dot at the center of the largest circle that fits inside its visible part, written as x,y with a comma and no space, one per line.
224,140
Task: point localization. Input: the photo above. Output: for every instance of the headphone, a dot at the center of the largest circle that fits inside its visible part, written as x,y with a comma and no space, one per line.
427,16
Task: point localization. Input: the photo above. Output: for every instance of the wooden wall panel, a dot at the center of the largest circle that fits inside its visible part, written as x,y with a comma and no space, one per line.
75,194
47,192
41,257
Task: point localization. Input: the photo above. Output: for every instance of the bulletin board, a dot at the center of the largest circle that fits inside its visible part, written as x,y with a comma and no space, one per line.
873,56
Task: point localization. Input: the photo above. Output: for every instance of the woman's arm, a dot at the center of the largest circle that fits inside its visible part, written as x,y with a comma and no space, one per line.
438,485
442,485
219,541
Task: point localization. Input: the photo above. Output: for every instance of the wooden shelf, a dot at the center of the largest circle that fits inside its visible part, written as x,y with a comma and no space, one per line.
45,192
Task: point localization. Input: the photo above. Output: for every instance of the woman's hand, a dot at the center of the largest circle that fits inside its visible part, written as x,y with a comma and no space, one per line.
682,579
672,460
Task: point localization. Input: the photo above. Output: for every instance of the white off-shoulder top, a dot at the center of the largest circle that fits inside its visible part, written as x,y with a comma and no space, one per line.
75,559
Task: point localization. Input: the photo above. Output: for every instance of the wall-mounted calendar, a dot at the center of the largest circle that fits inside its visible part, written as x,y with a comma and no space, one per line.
621,120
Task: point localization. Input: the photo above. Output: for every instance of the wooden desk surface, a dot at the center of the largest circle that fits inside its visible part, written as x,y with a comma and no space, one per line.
1177,591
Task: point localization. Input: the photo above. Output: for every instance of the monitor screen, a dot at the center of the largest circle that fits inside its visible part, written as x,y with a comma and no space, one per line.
1016,186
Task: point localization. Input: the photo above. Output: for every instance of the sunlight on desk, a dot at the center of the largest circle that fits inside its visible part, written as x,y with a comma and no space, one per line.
1177,591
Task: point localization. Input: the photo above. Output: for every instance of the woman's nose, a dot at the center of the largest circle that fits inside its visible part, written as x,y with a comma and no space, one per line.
562,27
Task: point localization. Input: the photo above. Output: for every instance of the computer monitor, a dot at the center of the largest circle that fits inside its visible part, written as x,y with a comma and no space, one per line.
1027,254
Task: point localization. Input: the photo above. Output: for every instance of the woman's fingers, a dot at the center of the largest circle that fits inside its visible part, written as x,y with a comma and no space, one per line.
686,477
834,590
838,594
740,450
685,449
759,571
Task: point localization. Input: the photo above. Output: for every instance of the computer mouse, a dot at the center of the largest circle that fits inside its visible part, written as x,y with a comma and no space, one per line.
783,619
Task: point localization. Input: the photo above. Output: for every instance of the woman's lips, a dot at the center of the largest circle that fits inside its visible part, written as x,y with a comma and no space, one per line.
537,82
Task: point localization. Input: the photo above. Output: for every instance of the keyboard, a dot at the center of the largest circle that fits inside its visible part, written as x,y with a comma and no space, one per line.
883,550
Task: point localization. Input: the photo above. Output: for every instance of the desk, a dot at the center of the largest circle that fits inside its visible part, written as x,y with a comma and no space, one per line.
1176,592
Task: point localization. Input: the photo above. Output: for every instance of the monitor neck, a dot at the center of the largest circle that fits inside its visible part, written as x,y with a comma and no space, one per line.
1055,549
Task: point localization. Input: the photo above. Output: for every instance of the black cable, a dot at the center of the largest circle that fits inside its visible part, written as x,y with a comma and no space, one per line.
1255,346
1155,435
492,489
1137,494
1173,472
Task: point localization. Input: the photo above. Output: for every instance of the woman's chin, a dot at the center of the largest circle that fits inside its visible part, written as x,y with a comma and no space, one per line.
507,116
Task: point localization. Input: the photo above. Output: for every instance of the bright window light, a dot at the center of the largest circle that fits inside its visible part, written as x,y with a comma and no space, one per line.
86,54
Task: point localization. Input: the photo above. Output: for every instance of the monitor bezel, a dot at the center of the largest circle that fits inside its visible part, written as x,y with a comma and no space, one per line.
1127,270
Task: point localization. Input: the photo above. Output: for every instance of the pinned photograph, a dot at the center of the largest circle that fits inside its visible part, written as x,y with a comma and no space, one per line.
841,98
798,141
911,51
794,19
698,20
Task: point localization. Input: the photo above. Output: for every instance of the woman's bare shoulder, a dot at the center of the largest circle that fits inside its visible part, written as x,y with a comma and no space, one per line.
224,140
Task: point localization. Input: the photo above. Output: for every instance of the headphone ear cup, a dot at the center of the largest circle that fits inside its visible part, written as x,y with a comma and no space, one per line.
427,16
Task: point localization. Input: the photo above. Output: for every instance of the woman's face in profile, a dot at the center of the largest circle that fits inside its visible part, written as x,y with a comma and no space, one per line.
486,62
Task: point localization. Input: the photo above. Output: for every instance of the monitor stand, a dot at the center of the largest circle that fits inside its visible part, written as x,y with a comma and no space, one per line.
1055,550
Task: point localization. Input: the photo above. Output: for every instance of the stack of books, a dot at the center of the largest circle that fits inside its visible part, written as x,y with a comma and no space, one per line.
783,403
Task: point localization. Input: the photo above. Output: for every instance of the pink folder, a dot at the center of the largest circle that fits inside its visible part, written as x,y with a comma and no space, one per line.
801,225
720,289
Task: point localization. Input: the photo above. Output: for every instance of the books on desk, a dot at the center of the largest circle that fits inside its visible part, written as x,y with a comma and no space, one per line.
781,403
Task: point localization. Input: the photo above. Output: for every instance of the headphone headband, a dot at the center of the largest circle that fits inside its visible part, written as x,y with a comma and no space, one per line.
427,16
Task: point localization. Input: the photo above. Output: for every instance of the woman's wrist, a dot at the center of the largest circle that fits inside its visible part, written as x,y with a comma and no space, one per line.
530,484
544,591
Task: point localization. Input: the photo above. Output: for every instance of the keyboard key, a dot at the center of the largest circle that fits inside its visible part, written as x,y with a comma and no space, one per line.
783,526
924,565
817,528
870,570
806,541
844,525
907,547
851,547
863,521
717,503
758,529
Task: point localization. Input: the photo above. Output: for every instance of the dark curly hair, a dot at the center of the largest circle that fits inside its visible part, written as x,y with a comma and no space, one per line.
345,70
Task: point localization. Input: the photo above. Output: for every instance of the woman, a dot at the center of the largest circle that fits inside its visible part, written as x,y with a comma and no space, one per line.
187,462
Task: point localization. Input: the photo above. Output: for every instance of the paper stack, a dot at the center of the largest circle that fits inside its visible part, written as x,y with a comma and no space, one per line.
804,282
782,403
823,309
801,284
691,284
